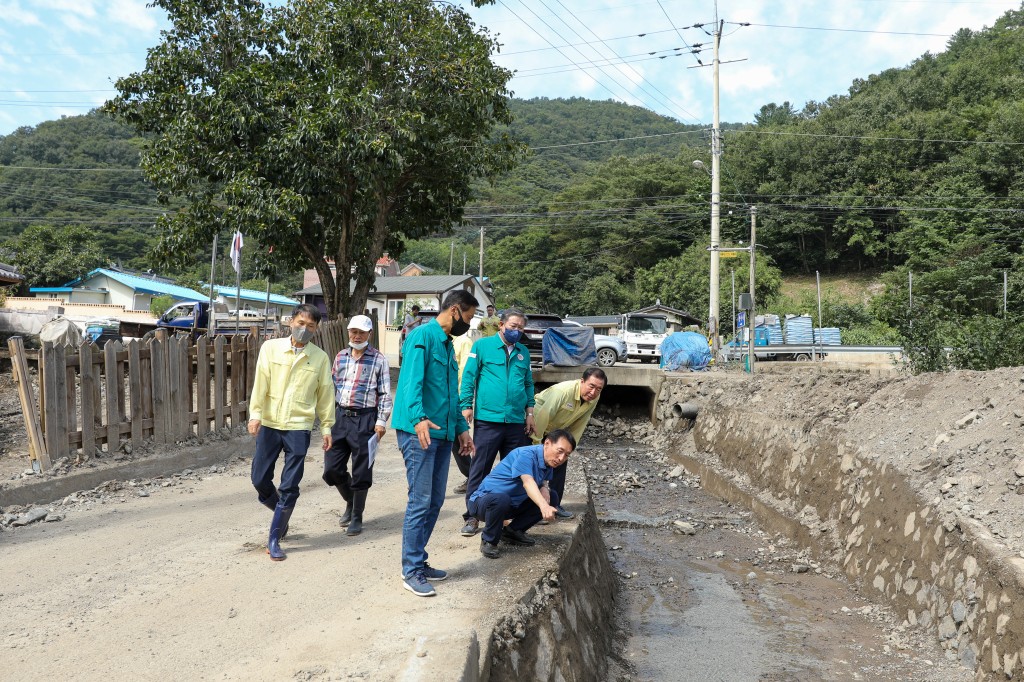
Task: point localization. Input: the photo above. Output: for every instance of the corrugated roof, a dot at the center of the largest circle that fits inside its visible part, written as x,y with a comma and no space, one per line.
144,285
595,319
254,295
423,284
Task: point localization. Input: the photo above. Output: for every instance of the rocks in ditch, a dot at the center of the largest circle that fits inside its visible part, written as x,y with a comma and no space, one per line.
683,528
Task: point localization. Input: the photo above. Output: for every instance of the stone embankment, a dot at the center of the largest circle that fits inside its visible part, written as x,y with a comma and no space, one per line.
855,461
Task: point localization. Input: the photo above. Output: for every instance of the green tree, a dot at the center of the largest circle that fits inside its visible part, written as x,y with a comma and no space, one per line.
51,256
159,304
327,130
684,281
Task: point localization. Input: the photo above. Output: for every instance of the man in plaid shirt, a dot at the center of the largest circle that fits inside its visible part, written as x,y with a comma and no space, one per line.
362,395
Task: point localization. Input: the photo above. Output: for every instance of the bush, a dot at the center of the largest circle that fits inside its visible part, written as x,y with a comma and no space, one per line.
159,305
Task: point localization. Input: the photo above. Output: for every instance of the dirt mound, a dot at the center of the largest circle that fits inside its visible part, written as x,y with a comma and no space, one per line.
957,436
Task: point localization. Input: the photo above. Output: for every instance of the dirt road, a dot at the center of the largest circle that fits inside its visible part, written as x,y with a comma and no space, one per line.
177,584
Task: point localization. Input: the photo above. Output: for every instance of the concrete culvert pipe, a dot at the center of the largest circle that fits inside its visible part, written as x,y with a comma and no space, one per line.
688,410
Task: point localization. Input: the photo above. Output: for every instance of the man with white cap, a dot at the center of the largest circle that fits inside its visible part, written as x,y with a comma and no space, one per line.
362,393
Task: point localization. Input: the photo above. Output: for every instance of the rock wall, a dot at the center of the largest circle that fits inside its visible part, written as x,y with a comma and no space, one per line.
942,570
562,628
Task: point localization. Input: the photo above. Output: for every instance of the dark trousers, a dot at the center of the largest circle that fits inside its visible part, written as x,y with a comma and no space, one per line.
461,461
350,436
269,444
491,439
496,508
558,480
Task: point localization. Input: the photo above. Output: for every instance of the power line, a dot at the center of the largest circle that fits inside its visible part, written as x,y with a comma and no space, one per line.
84,170
842,30
619,139
666,98
623,59
871,137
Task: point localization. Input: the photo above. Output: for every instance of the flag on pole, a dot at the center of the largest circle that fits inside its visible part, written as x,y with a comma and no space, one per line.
236,252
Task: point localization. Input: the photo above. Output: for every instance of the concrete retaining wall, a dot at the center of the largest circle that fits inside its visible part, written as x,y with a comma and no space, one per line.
562,628
939,570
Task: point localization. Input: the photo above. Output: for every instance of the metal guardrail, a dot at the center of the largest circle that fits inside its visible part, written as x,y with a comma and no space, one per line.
735,353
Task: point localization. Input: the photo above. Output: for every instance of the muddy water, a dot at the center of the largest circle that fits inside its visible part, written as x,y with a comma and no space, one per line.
726,602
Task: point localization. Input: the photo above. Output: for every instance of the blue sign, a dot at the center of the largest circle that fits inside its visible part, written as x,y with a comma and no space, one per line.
741,319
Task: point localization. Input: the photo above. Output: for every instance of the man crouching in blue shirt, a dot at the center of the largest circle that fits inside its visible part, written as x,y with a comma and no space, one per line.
517,490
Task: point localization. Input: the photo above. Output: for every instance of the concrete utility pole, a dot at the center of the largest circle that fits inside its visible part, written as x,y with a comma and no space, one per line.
716,196
752,322
481,257
451,258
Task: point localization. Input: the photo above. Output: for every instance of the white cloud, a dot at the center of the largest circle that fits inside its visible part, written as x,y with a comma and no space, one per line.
134,14
13,13
84,8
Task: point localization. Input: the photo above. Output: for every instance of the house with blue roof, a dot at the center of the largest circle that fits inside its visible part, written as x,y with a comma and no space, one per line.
250,299
114,286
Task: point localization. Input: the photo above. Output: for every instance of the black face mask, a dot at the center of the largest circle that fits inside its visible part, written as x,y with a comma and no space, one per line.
459,326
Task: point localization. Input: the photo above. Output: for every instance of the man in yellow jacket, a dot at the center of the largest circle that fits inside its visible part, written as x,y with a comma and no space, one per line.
568,405
293,386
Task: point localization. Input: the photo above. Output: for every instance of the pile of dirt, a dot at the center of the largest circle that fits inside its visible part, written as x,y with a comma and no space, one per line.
955,436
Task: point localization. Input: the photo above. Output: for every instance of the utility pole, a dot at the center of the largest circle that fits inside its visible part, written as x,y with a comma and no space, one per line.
463,262
481,257
1004,293
716,195
211,323
732,299
451,258
817,279
752,322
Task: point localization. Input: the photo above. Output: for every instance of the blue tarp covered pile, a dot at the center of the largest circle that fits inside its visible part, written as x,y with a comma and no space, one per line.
569,346
685,350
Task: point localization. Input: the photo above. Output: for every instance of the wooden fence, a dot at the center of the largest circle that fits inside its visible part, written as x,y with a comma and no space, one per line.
165,390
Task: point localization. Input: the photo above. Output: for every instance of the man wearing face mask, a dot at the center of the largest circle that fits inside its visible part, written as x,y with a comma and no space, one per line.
427,421
292,388
499,380
362,392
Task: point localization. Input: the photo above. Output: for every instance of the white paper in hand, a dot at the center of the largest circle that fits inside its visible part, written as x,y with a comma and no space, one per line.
373,447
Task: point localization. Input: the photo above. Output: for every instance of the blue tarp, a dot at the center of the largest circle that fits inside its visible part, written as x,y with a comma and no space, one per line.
569,346
685,349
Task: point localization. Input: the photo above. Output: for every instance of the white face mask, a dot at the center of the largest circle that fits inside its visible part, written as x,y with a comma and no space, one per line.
359,346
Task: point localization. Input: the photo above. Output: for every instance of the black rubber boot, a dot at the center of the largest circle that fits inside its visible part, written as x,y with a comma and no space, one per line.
346,494
346,518
355,526
279,522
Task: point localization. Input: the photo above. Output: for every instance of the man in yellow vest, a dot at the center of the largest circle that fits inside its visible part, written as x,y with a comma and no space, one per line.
569,406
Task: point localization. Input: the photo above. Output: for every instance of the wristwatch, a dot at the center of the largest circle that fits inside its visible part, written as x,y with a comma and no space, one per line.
421,419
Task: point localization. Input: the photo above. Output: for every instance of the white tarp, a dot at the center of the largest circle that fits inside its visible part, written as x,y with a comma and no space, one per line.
60,331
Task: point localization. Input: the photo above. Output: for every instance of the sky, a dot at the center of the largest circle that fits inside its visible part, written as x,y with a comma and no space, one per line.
62,57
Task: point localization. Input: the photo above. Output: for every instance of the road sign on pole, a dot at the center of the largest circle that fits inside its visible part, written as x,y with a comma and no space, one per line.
741,319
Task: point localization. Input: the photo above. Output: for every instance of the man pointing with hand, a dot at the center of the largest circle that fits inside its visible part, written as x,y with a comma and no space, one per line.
427,420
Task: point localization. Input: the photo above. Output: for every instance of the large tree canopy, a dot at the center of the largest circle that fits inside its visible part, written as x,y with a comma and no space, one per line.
326,130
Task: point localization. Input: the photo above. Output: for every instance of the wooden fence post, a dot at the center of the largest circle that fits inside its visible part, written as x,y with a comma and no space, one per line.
89,403
135,392
158,363
218,383
202,386
36,445
53,378
237,379
112,379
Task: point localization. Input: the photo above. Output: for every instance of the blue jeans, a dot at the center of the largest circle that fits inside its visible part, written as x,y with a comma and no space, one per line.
269,444
427,474
490,440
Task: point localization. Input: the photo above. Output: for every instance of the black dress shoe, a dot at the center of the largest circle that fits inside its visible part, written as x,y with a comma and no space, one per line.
517,537
488,549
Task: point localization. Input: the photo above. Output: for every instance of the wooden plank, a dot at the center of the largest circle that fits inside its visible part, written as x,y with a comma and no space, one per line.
60,403
190,388
236,378
183,379
251,354
173,389
111,379
89,404
19,365
135,393
159,389
146,355
202,386
70,380
219,374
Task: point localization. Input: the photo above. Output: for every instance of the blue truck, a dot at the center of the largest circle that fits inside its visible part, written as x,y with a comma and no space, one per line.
764,349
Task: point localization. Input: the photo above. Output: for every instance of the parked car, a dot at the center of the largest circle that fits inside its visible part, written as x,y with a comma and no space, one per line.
610,349
533,333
